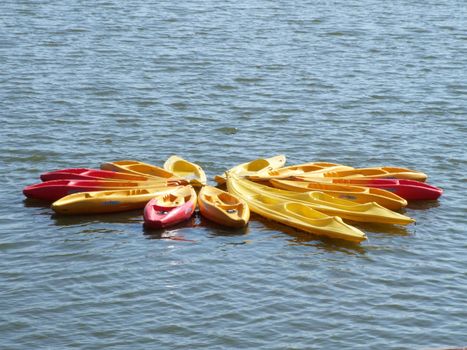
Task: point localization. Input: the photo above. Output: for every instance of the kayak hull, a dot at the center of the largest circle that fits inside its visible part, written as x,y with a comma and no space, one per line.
379,173
223,208
137,168
53,190
294,214
408,189
306,169
356,194
187,170
254,167
105,201
333,206
89,174
170,208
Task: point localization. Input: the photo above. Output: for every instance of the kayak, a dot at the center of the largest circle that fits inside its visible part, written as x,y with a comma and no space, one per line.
306,169
137,168
330,205
357,194
291,213
254,167
106,201
408,189
222,207
170,208
89,174
379,173
55,189
186,170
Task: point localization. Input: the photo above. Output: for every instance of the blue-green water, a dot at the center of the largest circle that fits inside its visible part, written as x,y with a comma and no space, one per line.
363,83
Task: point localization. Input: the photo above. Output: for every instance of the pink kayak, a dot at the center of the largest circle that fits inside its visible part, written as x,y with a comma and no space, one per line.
89,174
170,208
407,189
56,189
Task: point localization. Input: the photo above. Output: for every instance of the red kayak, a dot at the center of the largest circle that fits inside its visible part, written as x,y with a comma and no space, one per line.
90,174
56,189
170,208
407,189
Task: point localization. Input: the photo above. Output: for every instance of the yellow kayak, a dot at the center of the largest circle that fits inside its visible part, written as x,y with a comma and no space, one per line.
379,173
330,205
254,167
357,194
306,169
291,213
138,168
107,201
223,207
184,169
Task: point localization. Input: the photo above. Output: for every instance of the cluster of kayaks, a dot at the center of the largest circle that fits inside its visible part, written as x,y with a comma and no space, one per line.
312,197
167,195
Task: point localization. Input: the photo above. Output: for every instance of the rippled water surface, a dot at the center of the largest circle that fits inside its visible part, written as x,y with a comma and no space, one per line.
364,83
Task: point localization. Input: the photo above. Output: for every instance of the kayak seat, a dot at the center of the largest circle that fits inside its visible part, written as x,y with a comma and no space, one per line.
227,199
228,207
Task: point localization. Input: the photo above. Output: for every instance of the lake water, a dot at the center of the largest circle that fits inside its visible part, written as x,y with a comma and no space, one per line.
363,83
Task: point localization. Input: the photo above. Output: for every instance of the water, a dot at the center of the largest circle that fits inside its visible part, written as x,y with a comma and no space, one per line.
363,83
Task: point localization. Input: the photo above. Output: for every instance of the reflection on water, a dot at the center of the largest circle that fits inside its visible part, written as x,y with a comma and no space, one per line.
373,227
169,234
113,218
423,205
196,221
190,223
35,203
219,230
